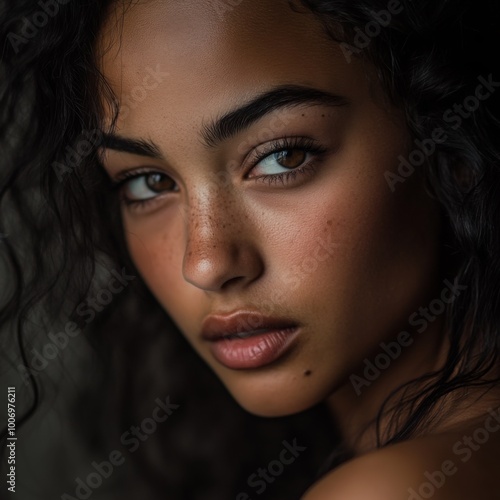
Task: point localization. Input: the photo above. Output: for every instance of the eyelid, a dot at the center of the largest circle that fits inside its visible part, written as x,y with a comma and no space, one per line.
120,180
295,142
284,142
131,173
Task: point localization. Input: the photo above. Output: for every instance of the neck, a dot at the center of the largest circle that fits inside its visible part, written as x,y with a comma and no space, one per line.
356,404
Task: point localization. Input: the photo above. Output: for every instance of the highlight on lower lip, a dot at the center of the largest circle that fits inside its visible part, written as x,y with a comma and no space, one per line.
255,351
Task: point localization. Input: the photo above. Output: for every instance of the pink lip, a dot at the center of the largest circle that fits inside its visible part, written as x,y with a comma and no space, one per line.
252,352
269,338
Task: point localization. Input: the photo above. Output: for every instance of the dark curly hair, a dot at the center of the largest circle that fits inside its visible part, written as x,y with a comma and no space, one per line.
56,246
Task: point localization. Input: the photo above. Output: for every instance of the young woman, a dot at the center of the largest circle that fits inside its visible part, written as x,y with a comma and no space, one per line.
307,190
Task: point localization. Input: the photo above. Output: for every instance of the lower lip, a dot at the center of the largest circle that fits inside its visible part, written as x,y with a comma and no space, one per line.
255,351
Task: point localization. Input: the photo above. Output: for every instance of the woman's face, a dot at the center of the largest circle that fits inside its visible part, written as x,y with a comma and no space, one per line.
330,247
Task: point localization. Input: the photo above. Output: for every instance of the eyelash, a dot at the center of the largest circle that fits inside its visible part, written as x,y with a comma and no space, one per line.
290,144
306,145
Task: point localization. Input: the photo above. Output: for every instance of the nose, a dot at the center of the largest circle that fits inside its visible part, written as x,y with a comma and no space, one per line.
221,250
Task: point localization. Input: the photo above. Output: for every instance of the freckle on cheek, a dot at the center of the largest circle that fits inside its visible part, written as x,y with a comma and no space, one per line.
307,373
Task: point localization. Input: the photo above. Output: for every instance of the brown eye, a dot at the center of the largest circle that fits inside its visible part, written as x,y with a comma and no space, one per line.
147,186
291,158
159,182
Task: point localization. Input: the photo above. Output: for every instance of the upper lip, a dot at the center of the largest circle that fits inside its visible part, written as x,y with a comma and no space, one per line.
217,326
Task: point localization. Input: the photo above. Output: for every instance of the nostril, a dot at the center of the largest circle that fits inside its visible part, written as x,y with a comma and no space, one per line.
231,281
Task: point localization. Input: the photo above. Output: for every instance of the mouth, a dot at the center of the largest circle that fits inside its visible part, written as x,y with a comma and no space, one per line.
245,335
248,339
241,324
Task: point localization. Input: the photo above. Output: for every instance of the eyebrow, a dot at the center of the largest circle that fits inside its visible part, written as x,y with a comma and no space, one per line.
141,147
281,97
236,121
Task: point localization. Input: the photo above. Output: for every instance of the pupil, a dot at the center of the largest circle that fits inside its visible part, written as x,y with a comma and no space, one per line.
291,158
158,182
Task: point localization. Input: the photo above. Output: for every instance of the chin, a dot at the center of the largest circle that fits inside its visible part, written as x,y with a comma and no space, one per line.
282,402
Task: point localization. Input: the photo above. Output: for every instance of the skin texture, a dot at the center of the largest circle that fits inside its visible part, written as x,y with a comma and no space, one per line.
223,240
204,249
459,462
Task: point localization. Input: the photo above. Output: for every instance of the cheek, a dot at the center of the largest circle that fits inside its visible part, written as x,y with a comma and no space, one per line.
364,260
158,256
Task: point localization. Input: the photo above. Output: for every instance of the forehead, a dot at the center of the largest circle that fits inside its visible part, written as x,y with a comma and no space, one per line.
207,56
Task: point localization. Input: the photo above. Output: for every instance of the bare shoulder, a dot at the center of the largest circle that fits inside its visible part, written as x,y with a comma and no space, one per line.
385,474
442,467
